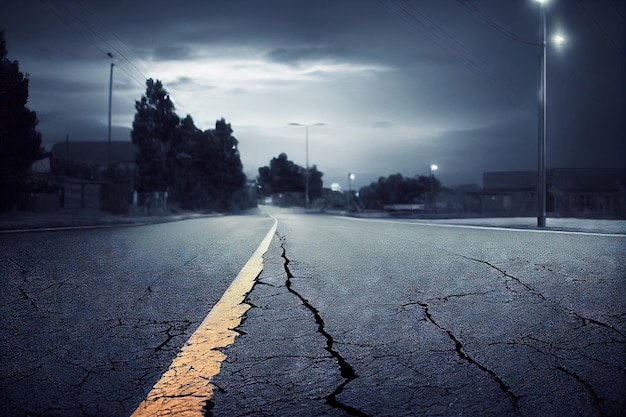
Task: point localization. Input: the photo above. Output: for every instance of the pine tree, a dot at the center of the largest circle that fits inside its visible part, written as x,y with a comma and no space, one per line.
154,134
20,142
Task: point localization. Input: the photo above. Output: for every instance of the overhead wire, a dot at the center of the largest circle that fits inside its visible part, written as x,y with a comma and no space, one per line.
416,24
601,27
451,45
75,28
621,14
81,34
135,63
95,33
482,16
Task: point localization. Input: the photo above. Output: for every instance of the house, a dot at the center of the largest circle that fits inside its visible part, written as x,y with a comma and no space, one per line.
510,193
94,157
571,192
589,192
91,180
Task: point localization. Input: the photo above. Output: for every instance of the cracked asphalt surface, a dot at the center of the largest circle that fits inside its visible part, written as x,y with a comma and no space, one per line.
348,317
90,319
367,318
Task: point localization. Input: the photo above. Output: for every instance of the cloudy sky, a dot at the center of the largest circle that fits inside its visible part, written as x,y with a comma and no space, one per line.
398,84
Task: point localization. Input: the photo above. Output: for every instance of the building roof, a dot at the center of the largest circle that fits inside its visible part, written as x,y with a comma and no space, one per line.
94,152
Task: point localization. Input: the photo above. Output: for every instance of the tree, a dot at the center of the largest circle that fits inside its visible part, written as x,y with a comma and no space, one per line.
201,170
283,176
396,189
228,176
154,134
20,142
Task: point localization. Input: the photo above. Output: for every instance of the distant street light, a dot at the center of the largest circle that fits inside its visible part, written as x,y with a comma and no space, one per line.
110,55
306,195
350,179
433,168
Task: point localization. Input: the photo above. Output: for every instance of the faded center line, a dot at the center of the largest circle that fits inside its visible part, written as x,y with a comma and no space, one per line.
185,388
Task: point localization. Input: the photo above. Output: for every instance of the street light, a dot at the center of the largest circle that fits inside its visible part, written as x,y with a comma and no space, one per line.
541,146
433,168
350,179
541,153
306,195
110,55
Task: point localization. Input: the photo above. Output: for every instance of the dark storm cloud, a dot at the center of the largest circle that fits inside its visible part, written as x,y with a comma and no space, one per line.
430,81
54,85
173,53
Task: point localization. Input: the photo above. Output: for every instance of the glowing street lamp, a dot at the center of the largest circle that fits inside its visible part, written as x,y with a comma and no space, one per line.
558,39
306,195
433,168
350,179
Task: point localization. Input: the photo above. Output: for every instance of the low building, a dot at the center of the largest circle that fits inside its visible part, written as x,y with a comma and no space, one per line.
95,175
589,193
579,192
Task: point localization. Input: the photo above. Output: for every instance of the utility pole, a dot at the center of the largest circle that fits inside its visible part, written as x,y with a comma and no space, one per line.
541,146
110,100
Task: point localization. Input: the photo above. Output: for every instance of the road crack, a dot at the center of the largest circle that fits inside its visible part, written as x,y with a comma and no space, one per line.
506,274
346,370
600,400
460,351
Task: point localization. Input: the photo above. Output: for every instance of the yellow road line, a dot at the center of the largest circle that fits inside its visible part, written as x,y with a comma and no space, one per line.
185,387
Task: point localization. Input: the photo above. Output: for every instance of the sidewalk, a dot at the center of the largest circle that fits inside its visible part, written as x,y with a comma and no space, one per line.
563,224
22,221
552,223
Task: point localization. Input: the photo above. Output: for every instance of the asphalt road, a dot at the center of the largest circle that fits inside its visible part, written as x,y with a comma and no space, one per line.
90,319
393,318
349,317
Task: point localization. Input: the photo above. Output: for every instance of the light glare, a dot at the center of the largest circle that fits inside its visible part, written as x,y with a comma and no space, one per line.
558,39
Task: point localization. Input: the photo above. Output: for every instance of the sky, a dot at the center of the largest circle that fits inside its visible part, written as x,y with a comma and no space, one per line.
398,84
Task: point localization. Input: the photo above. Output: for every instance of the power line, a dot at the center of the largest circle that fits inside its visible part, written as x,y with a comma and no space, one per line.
476,11
72,27
616,9
141,70
86,25
453,39
457,52
426,32
604,32
581,80
132,76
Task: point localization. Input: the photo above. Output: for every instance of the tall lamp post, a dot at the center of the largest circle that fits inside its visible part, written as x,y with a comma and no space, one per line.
541,148
306,174
110,55
541,152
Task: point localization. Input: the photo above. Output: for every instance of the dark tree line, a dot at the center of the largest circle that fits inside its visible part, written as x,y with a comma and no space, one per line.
199,169
283,176
20,142
396,189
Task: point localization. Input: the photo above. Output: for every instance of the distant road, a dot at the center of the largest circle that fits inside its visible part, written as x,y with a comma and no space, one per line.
349,317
